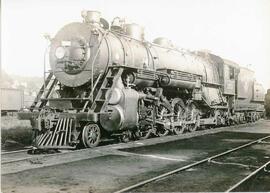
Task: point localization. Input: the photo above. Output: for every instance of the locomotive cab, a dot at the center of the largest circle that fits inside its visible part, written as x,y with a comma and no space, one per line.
230,74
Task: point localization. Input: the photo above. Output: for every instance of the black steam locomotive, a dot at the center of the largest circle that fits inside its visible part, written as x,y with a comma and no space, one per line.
107,81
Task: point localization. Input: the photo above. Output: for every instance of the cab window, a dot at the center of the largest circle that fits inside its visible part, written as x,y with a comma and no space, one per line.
231,72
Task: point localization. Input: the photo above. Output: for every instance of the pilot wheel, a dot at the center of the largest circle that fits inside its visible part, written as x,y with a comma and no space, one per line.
91,135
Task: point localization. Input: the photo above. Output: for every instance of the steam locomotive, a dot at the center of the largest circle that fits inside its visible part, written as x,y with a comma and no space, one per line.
107,81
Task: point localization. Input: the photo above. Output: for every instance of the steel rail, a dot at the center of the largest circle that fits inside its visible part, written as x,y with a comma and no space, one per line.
36,157
18,160
194,134
189,166
247,177
17,151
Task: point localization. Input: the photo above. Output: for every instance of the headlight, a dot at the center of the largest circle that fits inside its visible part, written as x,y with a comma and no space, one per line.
60,52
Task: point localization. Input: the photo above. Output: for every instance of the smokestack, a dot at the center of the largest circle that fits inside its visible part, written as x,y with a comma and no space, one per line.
92,17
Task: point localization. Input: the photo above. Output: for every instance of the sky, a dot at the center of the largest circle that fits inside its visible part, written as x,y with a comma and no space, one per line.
238,30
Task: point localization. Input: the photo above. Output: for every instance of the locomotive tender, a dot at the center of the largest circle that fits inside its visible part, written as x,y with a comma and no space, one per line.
107,81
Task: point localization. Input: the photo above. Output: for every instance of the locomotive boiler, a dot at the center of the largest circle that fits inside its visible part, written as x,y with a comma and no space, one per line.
107,81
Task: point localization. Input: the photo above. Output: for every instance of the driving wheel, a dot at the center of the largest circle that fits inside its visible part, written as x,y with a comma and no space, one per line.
179,115
162,113
192,114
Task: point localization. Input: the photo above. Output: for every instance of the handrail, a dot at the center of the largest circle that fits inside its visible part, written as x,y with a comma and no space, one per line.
93,62
91,93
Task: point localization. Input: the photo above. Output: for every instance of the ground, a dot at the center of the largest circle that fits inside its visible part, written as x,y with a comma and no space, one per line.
15,133
118,169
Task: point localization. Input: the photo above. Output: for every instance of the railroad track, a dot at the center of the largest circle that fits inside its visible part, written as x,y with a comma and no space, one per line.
21,155
14,152
17,161
251,175
10,156
200,162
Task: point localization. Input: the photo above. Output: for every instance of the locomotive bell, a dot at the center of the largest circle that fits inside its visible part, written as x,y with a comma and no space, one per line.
117,24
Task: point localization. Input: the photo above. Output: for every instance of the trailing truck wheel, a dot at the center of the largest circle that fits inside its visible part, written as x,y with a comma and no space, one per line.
91,135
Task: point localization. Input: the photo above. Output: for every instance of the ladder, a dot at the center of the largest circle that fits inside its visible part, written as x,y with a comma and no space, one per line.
48,85
91,94
108,85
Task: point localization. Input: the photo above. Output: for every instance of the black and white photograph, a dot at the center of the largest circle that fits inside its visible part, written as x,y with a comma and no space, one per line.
118,96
